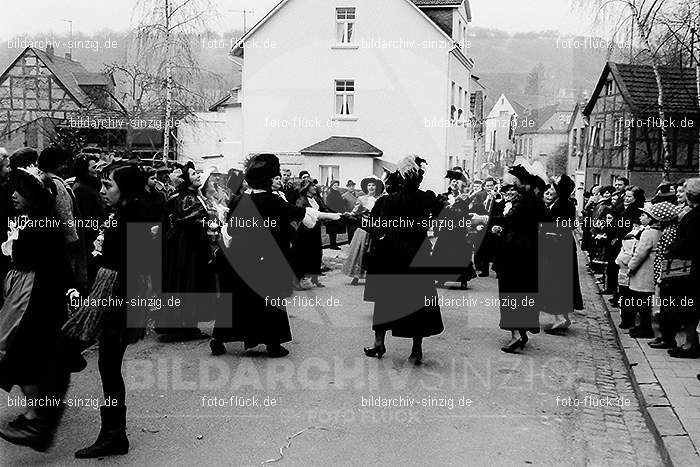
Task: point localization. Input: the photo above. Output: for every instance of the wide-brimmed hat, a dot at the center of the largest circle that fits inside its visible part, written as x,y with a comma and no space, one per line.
305,185
377,182
456,175
661,212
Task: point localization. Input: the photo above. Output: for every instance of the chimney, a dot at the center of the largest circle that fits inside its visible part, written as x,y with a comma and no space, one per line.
68,56
49,50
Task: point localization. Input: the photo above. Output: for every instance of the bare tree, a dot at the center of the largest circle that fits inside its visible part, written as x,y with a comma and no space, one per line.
641,17
167,34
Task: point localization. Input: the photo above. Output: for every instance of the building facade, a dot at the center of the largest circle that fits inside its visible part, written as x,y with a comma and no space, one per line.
360,78
624,135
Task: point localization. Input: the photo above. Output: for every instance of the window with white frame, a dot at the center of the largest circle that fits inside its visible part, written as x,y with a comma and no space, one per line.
460,104
344,97
345,24
328,173
618,132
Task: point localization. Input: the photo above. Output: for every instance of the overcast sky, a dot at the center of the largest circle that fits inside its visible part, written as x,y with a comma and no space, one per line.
31,17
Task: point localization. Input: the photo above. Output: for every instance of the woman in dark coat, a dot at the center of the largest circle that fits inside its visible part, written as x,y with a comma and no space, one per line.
261,260
125,238
188,253
90,204
335,203
33,311
399,275
453,250
560,268
307,249
517,256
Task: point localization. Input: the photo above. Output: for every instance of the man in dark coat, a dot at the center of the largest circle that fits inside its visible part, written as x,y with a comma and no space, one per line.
335,203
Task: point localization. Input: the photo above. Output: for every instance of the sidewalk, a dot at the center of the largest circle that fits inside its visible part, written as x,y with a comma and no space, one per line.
669,391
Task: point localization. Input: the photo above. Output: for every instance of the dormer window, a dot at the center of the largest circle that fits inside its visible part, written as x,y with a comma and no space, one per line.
345,24
609,88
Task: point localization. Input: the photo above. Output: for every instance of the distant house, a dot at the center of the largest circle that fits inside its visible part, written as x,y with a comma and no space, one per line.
542,135
40,90
576,151
46,99
624,137
476,162
213,138
344,89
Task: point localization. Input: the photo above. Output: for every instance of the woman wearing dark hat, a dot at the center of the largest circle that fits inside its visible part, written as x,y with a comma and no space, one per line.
399,279
187,259
355,266
260,255
33,311
307,249
335,203
452,253
560,268
517,256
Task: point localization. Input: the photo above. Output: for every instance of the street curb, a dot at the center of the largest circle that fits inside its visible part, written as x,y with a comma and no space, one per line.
661,440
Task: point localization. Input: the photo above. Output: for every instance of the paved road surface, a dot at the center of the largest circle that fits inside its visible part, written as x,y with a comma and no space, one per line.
472,404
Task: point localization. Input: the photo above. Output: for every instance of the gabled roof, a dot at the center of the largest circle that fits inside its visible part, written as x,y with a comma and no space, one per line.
69,73
343,146
237,49
231,98
637,84
540,117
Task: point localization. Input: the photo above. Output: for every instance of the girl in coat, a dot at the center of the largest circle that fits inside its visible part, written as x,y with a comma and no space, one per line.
125,239
641,272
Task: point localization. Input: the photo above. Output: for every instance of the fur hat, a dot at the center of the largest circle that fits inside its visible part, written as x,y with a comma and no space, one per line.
261,169
455,175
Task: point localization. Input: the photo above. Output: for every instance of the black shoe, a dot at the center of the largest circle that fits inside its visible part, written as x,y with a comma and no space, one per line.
276,351
35,434
638,333
377,351
680,352
513,346
18,422
217,347
416,356
659,344
112,440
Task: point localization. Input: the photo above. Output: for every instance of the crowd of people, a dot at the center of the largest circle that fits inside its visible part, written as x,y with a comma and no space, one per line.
87,236
647,253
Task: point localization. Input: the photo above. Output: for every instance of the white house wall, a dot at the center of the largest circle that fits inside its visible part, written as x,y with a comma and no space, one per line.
290,75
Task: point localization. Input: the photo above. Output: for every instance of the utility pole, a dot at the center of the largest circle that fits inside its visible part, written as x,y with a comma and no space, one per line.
70,43
245,18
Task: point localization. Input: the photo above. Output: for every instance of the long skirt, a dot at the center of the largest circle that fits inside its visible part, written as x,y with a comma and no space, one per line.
559,273
30,321
355,265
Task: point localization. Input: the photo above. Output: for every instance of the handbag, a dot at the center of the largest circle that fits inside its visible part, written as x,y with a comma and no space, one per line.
675,269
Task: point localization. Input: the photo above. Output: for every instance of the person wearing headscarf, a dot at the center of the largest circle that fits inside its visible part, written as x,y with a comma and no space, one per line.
517,255
260,254
355,265
188,253
560,268
453,250
307,249
400,278
33,311
122,269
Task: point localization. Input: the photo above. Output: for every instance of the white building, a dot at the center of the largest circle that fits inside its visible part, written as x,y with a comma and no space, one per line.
214,139
344,88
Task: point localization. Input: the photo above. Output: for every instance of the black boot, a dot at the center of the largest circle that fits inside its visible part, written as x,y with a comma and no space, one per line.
37,434
112,440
